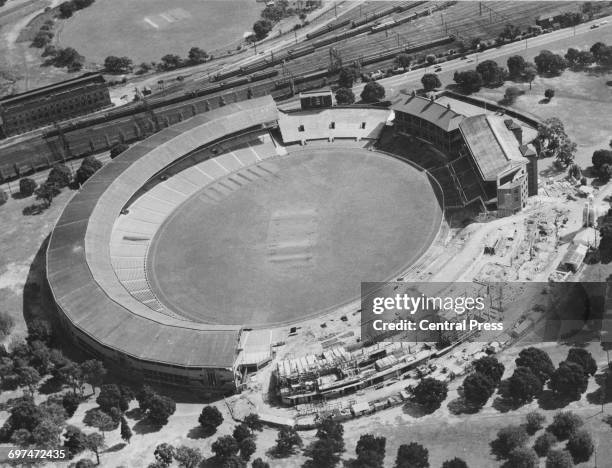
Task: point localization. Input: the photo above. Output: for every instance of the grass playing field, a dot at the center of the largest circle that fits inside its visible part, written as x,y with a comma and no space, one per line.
145,30
295,239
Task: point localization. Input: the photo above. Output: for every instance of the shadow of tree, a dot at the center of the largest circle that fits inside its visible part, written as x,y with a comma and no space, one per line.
548,400
116,447
135,413
415,410
503,404
459,406
199,432
145,427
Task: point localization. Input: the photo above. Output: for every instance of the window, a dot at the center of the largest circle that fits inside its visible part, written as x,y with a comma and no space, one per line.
332,125
363,125
301,128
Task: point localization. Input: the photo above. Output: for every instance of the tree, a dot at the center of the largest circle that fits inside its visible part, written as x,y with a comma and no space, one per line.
346,77
259,463
430,81
70,402
46,434
564,424
60,175
287,440
66,9
584,359
100,420
27,186
332,430
188,457
430,393
492,74
345,96
508,439
95,443
478,388
110,397
89,166
117,149
247,448
516,66
559,459
114,64
430,59
164,454
170,62
549,93
469,81
47,192
144,397
253,422
522,457
126,432
550,64
261,28
241,432
84,463
544,443
534,421
224,447
537,360
454,463
580,446
403,60
160,409
412,455
197,55
600,159
569,380
93,372
210,418
524,385
529,73
511,94
372,92
322,454
25,415
74,441
370,452
6,323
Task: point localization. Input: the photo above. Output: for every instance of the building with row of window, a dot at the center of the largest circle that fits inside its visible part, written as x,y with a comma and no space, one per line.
484,148
24,112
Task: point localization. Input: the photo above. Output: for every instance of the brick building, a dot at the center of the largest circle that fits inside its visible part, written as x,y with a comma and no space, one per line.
39,107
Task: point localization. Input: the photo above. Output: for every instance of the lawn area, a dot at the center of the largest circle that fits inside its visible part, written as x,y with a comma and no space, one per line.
582,100
22,257
145,30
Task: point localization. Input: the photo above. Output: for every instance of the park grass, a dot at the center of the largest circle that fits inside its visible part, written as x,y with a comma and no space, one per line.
582,102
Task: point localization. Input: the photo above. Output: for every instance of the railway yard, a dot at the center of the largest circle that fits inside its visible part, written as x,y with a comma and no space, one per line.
433,28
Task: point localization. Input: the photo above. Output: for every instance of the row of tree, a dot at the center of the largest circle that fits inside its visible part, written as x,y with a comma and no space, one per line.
195,56
67,9
511,442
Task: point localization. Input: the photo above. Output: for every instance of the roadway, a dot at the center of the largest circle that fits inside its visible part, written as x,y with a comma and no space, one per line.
529,46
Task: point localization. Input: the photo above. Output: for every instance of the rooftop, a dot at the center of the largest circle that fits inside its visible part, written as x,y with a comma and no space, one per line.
443,116
494,147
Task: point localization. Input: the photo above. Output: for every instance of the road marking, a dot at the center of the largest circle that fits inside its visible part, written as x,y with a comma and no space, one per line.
150,22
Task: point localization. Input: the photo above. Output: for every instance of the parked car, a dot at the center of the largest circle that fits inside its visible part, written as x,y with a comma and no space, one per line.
594,26
438,69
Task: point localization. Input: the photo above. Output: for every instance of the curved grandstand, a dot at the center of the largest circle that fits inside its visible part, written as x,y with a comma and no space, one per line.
106,255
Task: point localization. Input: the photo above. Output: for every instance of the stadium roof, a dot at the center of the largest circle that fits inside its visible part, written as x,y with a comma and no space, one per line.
428,109
495,148
79,269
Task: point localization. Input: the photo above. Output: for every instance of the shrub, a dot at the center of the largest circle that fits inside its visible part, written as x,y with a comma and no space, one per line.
27,186
508,439
534,422
580,446
544,443
559,459
564,424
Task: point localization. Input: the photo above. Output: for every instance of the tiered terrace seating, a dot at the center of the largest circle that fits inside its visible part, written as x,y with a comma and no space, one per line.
134,230
468,180
452,198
